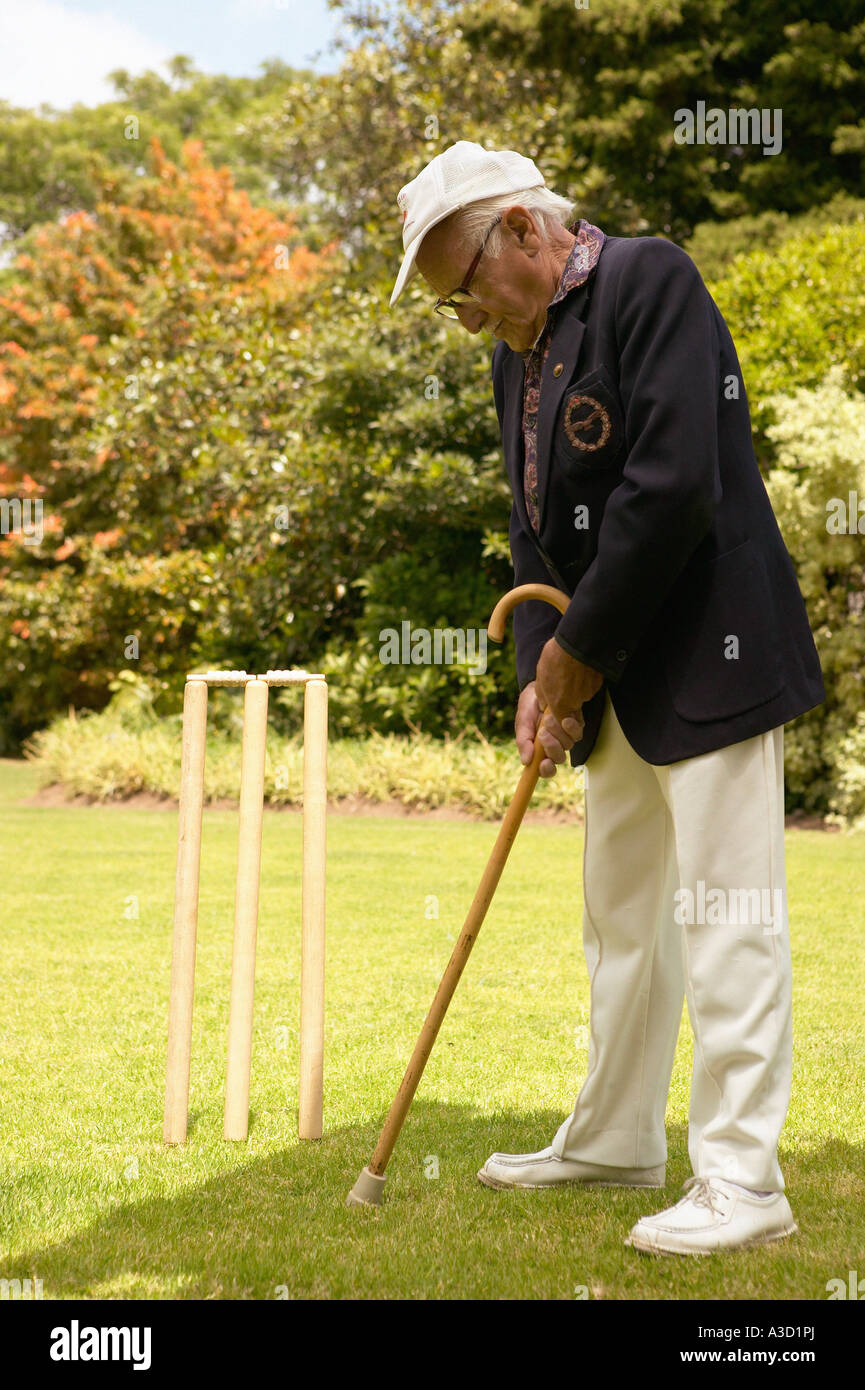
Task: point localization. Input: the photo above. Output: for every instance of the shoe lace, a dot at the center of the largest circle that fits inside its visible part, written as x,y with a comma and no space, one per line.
704,1194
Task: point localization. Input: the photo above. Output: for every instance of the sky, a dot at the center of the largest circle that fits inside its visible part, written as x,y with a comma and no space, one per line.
58,52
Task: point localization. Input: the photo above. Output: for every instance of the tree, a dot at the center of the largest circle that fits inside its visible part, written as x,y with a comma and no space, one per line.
242,461
591,94
818,435
53,163
130,374
623,72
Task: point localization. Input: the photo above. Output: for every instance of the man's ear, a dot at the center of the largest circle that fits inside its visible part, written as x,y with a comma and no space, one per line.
519,223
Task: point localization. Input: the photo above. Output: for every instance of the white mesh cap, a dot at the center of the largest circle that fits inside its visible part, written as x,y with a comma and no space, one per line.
463,174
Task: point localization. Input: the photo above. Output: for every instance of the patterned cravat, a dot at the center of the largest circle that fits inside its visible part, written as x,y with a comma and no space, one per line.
579,265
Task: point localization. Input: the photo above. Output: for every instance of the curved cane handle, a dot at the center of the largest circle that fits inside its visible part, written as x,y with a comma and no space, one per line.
509,601
496,630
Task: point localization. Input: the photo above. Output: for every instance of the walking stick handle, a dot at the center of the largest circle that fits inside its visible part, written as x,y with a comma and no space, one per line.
508,602
502,611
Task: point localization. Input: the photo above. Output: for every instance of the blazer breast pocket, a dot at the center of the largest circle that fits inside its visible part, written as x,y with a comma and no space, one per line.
589,432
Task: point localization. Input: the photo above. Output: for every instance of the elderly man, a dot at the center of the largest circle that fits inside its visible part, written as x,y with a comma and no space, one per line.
684,650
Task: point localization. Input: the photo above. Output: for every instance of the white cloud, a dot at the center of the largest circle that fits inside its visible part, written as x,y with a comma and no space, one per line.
54,53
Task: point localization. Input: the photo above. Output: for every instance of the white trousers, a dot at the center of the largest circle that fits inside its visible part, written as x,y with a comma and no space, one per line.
718,821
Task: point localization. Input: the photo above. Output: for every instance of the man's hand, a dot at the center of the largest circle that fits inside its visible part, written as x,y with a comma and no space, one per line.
564,684
561,687
556,738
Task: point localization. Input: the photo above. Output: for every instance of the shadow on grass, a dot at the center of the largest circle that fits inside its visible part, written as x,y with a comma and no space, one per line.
279,1226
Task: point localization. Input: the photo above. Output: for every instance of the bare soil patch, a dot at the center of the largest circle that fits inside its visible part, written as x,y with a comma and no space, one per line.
57,795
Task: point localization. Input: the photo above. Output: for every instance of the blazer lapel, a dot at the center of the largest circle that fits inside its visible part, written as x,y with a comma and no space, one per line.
512,431
564,351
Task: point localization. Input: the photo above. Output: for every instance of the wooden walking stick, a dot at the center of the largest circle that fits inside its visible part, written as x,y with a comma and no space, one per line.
369,1188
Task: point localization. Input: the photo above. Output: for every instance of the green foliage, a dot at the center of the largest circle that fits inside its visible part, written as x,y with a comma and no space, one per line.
64,635
53,163
795,303
444,589
247,468
848,800
599,117
715,245
797,310
818,435
591,94
161,487
622,71
237,527
124,750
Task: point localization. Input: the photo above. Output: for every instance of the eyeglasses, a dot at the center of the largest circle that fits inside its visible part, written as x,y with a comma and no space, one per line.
449,307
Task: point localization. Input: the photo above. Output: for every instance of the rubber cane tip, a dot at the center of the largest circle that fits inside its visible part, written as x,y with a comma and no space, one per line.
368,1191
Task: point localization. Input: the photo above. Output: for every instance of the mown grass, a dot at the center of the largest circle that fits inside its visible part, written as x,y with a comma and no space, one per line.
96,1207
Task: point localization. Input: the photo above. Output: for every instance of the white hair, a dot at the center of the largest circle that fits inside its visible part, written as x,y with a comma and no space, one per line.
475,219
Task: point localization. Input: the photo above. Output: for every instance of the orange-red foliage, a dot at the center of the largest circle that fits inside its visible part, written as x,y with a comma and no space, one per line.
187,230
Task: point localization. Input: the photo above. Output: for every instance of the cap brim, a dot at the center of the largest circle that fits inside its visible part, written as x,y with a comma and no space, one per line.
408,267
406,270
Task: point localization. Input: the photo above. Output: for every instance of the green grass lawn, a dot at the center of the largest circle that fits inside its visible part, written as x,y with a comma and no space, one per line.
96,1207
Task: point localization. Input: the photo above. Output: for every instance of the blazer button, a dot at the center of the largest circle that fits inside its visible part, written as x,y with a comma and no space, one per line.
621,656
558,369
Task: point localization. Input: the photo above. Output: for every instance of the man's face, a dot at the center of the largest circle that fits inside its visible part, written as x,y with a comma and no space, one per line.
511,291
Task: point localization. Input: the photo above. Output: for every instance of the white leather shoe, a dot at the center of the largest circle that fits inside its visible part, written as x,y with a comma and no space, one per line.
544,1169
714,1215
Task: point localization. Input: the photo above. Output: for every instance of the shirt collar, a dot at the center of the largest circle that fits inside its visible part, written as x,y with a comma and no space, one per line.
583,258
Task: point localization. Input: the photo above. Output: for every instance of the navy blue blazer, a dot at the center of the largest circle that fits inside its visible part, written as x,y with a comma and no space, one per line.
654,517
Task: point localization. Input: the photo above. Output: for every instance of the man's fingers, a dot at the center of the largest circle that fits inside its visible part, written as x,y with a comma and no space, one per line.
555,751
532,720
525,735
526,722
566,733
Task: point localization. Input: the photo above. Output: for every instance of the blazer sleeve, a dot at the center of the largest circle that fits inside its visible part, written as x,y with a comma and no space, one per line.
669,381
